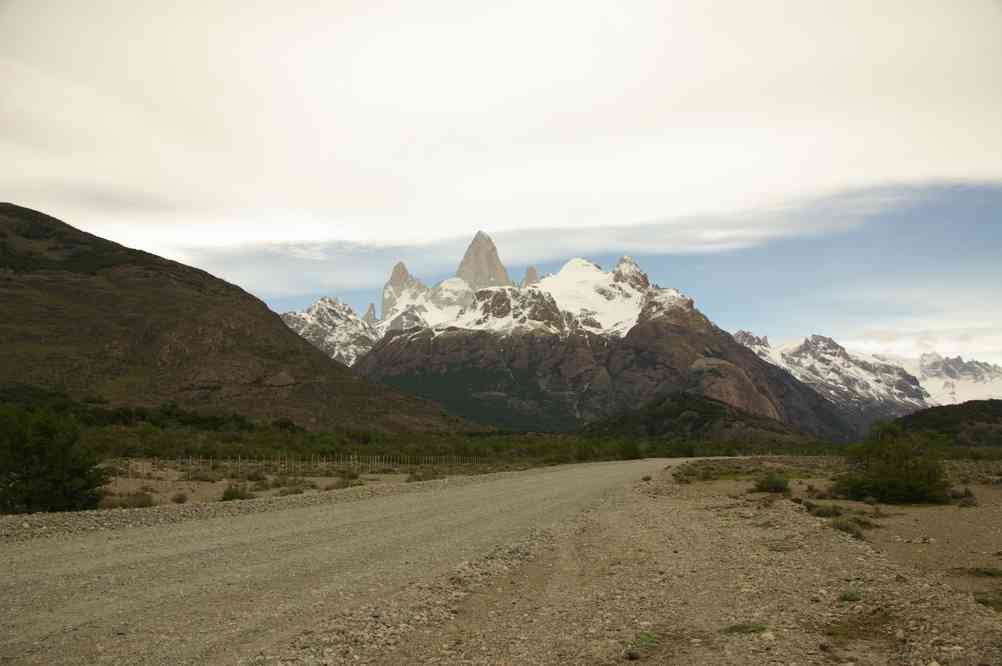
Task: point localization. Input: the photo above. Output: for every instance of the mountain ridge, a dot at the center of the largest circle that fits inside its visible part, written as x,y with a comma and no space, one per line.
865,388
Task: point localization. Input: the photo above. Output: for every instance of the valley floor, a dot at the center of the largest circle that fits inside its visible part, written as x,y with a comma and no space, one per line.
581,564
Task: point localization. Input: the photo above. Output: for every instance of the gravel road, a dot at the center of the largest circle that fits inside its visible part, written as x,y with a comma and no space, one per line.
226,589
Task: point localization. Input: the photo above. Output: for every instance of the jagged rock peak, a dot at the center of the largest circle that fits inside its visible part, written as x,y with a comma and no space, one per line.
821,344
370,314
481,266
749,339
400,282
629,271
326,304
934,365
531,277
400,276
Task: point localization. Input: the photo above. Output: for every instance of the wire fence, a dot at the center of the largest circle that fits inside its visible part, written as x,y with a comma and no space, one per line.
191,468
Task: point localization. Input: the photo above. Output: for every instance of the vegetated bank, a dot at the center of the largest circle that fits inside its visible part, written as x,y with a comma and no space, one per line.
974,424
702,427
682,425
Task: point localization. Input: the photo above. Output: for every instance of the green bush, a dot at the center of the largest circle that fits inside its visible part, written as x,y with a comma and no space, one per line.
179,498
772,483
43,467
630,450
895,467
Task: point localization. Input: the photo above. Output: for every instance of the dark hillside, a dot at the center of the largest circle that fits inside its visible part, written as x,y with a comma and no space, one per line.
973,423
91,318
686,416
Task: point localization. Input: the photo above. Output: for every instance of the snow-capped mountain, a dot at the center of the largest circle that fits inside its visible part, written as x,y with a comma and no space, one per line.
333,327
952,380
581,296
554,351
863,385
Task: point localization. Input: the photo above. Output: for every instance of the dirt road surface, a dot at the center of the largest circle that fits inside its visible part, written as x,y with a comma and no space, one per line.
226,589
583,564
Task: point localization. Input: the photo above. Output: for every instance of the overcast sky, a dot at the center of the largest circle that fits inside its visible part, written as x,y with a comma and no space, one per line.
298,148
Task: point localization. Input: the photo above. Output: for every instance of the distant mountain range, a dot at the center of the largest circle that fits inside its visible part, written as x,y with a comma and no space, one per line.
558,351
555,351
885,385
953,380
864,387
102,322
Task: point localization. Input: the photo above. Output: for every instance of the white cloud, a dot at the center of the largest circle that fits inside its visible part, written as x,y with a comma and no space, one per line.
412,122
306,146
307,267
932,317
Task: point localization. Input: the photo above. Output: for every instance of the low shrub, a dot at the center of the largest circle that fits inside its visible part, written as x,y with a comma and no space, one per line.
823,510
894,467
985,572
136,500
849,527
772,483
236,492
864,522
745,628
424,475
179,498
850,596
991,599
206,475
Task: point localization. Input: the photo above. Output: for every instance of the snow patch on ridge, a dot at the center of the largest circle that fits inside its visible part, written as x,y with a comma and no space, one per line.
600,302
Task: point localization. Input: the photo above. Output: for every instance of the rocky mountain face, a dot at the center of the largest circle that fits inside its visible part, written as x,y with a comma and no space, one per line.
335,329
527,364
481,266
866,388
94,319
570,348
952,381
531,277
